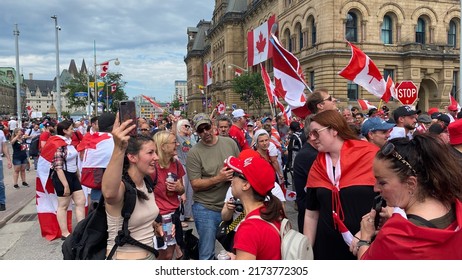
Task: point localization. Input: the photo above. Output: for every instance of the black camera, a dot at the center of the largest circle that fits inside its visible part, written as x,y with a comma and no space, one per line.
237,202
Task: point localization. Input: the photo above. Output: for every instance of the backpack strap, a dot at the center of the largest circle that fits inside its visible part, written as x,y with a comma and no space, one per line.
274,226
123,236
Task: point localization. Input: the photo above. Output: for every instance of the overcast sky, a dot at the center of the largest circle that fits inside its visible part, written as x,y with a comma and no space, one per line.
148,36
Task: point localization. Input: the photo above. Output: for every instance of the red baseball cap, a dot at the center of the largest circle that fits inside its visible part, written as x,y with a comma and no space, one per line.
455,132
258,172
432,111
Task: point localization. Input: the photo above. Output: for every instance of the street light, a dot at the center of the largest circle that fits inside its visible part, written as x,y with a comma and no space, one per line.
18,81
58,82
116,62
230,66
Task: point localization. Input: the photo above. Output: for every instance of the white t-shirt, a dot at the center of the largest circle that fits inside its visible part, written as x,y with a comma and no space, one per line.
33,133
2,140
12,124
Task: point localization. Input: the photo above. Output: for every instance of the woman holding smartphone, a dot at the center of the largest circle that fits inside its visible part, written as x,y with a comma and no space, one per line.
19,157
168,188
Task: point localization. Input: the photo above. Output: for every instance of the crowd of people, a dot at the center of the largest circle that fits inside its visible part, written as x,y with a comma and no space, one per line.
241,168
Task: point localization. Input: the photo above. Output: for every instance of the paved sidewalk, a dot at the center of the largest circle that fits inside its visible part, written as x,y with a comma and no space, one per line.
16,199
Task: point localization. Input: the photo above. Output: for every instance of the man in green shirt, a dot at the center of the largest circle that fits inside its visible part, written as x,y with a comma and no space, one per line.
210,180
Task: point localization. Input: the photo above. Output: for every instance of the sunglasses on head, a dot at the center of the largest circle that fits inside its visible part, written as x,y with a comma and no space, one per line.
203,128
315,132
389,149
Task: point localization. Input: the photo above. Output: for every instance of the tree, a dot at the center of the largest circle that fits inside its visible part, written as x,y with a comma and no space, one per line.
251,90
79,84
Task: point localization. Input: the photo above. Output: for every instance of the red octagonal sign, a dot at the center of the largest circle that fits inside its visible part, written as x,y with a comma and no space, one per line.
406,92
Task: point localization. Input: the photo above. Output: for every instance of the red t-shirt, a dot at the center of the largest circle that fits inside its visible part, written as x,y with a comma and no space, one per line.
43,137
257,237
167,203
238,134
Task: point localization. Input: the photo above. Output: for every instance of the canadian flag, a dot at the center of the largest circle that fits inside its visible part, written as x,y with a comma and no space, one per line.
346,234
269,86
97,148
29,111
104,67
113,88
288,79
208,73
154,103
221,108
237,72
365,105
46,198
259,48
362,70
454,103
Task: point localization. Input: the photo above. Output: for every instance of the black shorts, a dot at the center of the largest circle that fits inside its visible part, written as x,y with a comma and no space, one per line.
72,180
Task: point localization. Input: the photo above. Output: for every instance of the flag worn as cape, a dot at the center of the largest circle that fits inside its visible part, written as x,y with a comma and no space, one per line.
97,147
400,239
46,198
354,168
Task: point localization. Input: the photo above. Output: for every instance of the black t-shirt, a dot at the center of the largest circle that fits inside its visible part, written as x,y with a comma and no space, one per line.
19,150
356,201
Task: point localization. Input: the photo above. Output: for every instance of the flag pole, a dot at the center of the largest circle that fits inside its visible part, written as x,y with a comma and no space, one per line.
107,98
380,104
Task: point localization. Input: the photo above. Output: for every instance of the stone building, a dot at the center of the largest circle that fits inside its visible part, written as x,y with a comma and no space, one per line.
410,40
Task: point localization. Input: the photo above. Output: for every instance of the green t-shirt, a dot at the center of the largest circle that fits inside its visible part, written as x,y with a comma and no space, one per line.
205,162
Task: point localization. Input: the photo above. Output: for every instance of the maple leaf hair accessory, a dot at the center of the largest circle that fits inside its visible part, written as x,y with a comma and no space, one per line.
258,172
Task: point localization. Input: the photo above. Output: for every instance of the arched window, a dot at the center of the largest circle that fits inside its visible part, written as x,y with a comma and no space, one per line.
288,40
300,37
313,32
387,30
452,34
420,31
351,33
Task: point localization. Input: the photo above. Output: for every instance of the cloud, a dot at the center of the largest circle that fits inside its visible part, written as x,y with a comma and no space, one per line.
148,37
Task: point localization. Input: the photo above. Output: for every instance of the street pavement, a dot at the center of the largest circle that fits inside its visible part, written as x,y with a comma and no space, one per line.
20,237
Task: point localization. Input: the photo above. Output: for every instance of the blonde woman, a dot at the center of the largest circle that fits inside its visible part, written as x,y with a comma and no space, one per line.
167,192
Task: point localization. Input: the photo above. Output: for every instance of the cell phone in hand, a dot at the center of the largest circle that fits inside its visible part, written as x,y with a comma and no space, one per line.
127,110
379,202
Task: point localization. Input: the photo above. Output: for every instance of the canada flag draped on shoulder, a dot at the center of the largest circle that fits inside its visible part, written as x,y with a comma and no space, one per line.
46,198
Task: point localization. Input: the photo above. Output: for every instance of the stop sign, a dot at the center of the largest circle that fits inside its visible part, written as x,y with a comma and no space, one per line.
406,92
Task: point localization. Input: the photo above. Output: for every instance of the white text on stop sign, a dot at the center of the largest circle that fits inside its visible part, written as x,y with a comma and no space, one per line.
406,92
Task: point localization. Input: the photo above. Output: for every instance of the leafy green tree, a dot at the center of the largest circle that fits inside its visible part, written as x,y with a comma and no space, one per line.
251,90
175,104
79,84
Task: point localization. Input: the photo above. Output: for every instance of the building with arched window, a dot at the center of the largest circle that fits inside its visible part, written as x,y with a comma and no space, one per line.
412,40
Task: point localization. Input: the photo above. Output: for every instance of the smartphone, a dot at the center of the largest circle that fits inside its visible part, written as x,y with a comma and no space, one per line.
127,110
379,202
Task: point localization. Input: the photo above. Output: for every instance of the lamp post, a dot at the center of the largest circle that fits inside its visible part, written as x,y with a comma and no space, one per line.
231,66
58,82
116,62
18,79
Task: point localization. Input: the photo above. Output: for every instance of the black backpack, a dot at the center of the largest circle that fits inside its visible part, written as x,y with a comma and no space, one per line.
89,239
34,147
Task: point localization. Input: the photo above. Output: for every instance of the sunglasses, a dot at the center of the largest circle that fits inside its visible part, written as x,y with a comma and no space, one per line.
315,132
144,129
236,174
389,149
203,128
187,126
330,98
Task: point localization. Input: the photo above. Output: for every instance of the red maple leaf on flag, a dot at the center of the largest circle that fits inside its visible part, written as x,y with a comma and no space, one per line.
279,89
261,43
374,72
210,73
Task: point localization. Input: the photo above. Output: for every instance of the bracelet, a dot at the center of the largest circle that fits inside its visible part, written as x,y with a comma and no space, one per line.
363,243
